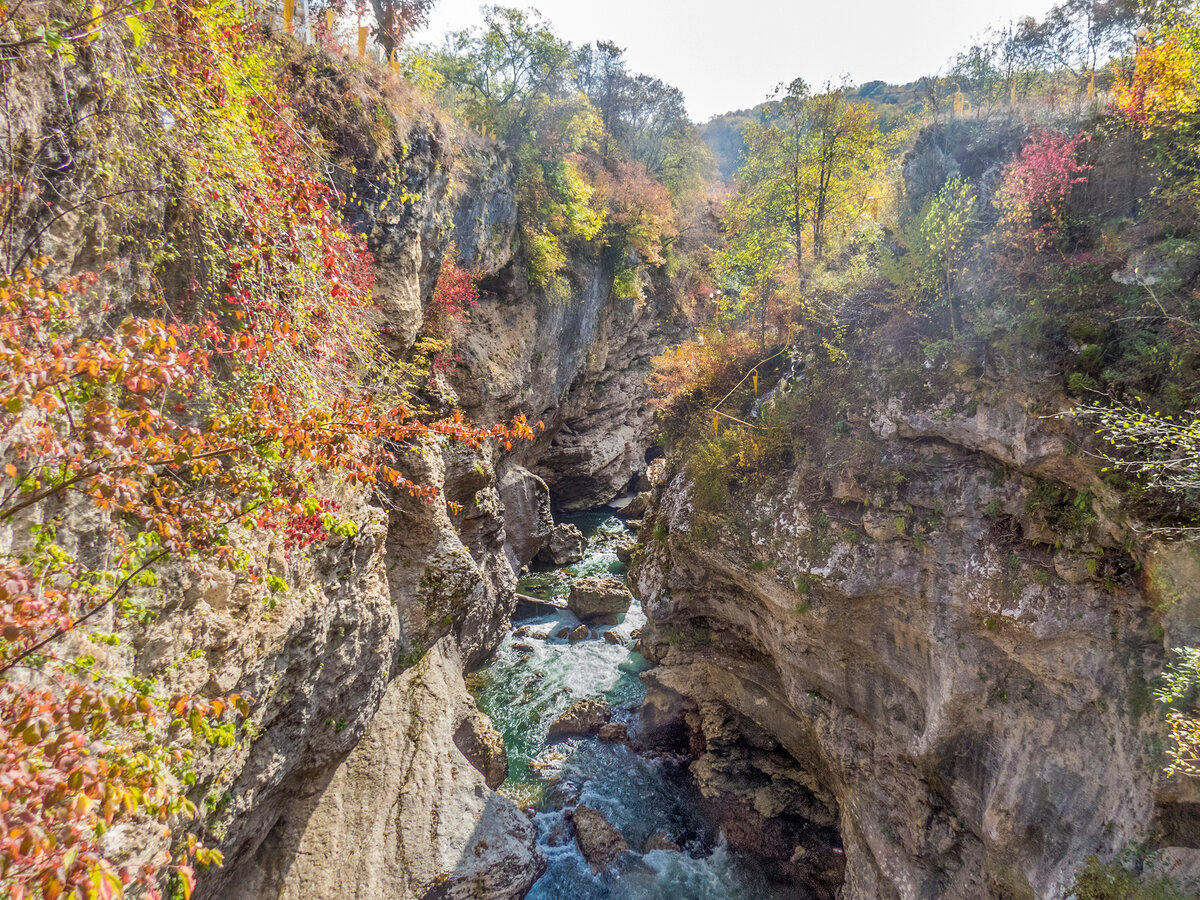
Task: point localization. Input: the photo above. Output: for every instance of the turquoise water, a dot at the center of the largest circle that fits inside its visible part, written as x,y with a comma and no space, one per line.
524,691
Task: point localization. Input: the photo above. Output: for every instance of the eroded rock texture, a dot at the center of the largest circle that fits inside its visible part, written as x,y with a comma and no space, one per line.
946,675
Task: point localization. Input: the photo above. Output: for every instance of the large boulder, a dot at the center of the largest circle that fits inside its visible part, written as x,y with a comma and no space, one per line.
482,745
583,718
564,546
528,524
598,599
660,840
600,843
636,508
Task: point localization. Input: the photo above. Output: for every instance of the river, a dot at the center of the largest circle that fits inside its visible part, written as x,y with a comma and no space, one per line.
534,677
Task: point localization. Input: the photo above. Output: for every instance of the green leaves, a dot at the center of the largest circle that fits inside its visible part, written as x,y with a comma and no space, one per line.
137,30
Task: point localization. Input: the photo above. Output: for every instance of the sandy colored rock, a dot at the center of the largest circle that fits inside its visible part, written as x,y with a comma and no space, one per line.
483,747
583,718
600,843
594,598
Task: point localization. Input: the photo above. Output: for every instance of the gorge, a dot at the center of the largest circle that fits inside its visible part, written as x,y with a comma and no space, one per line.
334,392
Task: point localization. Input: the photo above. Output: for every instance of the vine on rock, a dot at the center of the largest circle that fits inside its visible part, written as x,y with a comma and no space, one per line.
171,426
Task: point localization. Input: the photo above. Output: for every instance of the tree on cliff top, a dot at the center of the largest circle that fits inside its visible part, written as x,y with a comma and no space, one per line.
506,71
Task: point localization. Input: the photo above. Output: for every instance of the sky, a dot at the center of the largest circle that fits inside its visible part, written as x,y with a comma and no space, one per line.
729,55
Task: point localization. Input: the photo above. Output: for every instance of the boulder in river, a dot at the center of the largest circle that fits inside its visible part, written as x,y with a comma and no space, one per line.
578,634
613,638
625,551
637,506
583,718
562,632
594,598
613,733
600,843
660,840
565,545
523,648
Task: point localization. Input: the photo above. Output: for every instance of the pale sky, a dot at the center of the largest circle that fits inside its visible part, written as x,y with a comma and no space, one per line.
729,55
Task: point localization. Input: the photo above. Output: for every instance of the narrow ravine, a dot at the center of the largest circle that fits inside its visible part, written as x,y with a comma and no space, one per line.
537,675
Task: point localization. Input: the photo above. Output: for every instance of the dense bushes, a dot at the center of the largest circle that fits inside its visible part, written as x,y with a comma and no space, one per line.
198,391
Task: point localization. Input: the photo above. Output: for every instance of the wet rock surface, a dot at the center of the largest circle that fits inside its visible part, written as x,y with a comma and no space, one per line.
583,718
597,600
599,841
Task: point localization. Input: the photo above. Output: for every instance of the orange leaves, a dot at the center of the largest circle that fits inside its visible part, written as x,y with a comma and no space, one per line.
1162,88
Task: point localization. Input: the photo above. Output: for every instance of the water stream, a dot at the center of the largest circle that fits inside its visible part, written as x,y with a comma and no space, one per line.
534,678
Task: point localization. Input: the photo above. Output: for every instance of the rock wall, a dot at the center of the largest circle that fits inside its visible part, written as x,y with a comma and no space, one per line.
366,769
900,651
384,784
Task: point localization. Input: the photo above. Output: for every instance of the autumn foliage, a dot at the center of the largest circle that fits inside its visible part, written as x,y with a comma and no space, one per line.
456,294
177,423
1035,186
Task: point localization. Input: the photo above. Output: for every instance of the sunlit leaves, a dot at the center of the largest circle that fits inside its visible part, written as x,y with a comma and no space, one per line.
174,427
1034,187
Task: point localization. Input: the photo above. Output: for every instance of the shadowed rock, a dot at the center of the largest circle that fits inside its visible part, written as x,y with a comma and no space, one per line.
600,843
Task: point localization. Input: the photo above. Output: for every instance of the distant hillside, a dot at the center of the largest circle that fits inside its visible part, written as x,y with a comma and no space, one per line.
892,103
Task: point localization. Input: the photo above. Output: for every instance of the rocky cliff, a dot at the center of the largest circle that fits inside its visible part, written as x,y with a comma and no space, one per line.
365,769
374,774
914,662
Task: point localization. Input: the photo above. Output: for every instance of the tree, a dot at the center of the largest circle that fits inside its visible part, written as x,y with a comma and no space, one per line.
944,230
506,72
396,19
845,148
799,170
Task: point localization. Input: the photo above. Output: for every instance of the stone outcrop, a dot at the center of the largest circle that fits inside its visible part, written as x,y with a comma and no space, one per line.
528,524
583,718
599,842
935,675
564,546
442,832
598,600
483,746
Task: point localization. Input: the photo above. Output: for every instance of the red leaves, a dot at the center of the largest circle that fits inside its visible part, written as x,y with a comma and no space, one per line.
1034,187
456,294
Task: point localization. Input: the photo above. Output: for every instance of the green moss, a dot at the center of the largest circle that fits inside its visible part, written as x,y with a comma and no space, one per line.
1096,880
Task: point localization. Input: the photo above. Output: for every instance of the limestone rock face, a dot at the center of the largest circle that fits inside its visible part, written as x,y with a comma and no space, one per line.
600,843
443,831
946,686
578,364
596,598
355,782
564,546
583,718
483,746
528,524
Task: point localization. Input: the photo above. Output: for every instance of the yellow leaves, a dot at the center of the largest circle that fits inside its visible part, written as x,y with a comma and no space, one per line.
105,883
1163,86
